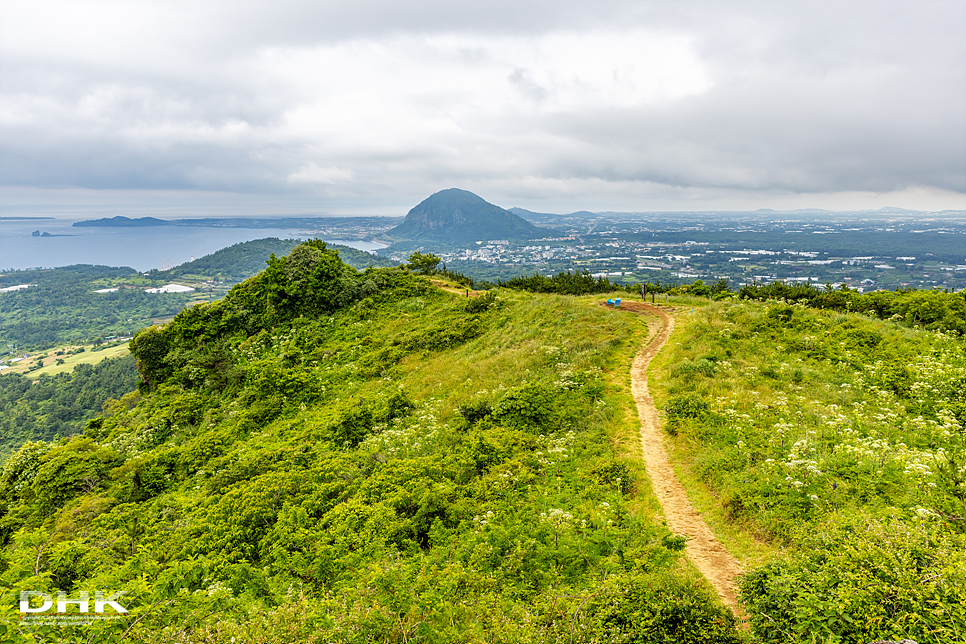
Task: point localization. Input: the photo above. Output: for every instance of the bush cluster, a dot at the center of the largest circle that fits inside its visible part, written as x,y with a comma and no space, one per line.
937,310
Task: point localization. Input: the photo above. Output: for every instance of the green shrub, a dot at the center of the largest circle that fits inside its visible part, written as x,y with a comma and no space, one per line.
686,406
613,474
662,610
150,347
482,303
703,367
67,469
532,405
476,411
567,283
877,579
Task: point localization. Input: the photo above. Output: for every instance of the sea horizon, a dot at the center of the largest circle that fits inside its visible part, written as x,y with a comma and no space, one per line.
140,248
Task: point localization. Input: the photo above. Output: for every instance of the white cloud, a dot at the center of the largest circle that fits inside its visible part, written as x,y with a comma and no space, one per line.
312,173
374,100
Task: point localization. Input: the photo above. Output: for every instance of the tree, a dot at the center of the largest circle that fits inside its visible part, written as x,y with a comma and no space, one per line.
311,280
423,263
699,288
721,286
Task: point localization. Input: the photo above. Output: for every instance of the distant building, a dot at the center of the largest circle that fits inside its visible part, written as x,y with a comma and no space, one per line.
170,288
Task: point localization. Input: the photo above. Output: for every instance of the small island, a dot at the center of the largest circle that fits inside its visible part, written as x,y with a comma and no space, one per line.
122,222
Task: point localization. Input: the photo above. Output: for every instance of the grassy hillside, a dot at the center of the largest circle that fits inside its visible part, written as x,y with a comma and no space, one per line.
332,456
837,441
240,261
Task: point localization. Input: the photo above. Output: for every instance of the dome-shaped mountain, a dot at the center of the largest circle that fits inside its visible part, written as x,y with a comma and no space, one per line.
456,216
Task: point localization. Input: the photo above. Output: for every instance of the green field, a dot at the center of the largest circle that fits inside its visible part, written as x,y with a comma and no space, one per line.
61,359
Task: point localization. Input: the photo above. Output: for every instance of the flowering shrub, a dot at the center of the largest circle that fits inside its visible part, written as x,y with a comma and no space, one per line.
815,418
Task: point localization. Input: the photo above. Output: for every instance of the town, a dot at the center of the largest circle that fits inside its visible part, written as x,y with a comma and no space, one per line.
862,251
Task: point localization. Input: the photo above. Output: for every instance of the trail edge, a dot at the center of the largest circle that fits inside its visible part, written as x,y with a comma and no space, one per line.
704,550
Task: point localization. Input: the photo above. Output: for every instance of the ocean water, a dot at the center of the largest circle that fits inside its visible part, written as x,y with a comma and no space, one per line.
139,248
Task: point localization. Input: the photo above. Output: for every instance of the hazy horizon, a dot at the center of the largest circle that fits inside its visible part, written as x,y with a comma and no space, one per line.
177,205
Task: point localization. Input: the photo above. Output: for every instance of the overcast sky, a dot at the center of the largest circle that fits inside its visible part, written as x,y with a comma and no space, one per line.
370,106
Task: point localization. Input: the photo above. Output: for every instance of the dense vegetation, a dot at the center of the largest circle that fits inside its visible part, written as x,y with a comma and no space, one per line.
334,456
49,407
60,306
839,439
933,309
241,261
567,283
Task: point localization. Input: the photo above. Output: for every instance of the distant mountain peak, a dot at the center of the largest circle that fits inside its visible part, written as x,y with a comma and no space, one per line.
123,222
888,209
454,215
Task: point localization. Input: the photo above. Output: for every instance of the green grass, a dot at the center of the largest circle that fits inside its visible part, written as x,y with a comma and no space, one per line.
803,432
91,355
743,540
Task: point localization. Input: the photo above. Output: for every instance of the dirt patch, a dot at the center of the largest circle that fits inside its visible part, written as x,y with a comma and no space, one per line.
703,549
455,290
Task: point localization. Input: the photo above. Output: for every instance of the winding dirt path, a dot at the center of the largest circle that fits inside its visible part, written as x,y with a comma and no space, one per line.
703,549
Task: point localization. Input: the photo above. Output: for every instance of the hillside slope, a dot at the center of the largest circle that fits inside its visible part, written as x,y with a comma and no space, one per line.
327,455
839,443
243,260
458,216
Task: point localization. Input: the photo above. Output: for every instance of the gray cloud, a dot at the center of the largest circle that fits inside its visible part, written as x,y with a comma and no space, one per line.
626,102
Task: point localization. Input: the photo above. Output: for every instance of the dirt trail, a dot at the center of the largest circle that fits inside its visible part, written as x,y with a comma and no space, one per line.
703,548
454,290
